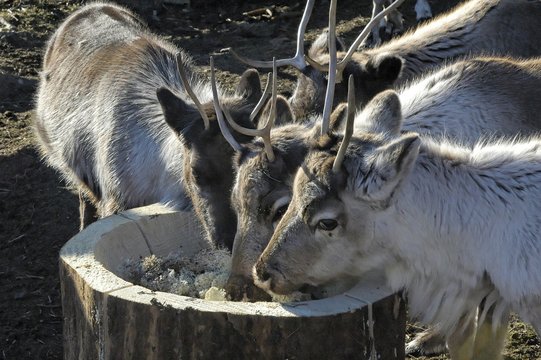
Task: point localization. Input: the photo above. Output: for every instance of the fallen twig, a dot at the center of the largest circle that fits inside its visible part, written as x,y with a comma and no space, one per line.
16,238
5,23
264,11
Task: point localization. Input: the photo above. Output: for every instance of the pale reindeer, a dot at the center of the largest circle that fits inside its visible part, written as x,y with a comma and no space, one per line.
434,104
453,225
467,100
476,27
117,116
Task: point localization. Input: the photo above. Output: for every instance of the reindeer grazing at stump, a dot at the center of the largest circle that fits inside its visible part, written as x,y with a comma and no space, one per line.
466,101
477,27
436,104
117,116
454,226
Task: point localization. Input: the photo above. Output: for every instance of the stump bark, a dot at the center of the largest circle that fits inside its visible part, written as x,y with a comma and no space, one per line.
106,317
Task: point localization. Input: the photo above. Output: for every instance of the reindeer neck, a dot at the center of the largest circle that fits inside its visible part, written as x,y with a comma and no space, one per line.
438,104
464,225
444,38
463,200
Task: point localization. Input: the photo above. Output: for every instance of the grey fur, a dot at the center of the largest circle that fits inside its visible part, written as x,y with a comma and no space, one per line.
114,118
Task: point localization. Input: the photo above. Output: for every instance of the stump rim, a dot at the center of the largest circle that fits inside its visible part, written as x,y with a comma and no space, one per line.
79,254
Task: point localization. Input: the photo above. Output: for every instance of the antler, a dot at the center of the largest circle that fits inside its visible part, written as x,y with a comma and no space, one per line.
331,81
188,88
349,127
264,132
218,109
366,31
298,60
261,101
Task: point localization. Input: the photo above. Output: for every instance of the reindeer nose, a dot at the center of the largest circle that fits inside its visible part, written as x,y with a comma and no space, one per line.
261,271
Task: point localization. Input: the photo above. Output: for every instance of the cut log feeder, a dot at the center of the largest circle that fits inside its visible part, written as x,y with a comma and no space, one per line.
106,317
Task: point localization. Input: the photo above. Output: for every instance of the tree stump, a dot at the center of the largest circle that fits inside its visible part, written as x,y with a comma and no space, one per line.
106,317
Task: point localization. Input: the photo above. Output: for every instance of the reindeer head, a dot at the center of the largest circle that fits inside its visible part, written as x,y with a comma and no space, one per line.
260,195
340,202
373,71
262,191
208,172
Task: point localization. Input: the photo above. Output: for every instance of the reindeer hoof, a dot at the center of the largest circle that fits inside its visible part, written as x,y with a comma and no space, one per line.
426,343
423,19
422,11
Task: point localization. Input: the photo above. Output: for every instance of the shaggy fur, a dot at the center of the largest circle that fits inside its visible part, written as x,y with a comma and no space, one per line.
114,118
466,101
451,224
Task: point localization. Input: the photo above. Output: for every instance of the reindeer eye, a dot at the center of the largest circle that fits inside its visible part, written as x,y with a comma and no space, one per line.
327,224
278,209
279,213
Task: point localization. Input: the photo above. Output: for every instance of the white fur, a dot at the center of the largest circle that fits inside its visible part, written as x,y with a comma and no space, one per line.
469,100
472,28
459,233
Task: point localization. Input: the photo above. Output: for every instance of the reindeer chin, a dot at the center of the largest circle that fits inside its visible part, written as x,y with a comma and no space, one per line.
241,288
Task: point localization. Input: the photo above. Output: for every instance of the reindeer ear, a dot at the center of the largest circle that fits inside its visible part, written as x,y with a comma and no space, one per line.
179,115
319,47
379,175
284,114
249,86
338,117
336,123
383,114
278,166
385,68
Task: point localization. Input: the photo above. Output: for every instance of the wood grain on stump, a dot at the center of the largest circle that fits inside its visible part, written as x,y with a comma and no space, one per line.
106,317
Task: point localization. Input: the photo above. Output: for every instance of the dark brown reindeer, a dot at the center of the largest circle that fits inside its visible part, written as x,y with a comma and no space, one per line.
117,116
474,28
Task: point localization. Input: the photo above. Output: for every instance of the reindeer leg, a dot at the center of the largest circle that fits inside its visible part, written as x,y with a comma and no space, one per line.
395,25
375,39
423,11
428,342
87,211
461,342
530,311
489,342
537,326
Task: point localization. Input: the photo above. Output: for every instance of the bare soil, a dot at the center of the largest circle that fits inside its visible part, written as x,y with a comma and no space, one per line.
38,214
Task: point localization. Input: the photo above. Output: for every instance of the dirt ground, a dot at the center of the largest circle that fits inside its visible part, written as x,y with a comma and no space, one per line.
38,214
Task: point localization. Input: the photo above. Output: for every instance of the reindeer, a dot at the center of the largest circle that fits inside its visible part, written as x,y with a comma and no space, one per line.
467,100
435,104
477,27
450,224
118,116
